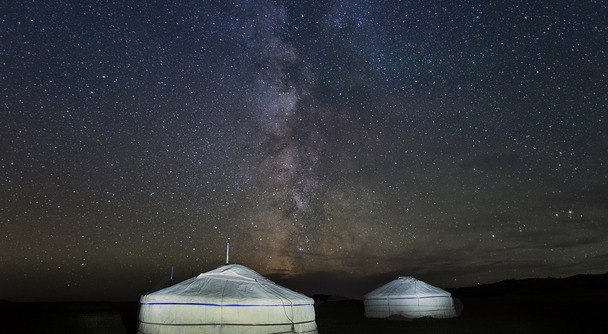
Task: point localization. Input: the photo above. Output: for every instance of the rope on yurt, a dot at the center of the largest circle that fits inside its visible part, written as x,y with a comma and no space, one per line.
390,293
293,326
222,305
271,291
417,297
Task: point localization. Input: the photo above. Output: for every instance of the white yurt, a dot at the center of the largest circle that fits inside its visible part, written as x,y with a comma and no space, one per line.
409,298
229,299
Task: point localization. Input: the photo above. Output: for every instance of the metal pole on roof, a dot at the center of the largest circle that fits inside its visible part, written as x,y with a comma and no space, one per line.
227,250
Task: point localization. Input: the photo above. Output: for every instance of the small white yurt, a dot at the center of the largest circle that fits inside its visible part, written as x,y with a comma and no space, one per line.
409,298
229,299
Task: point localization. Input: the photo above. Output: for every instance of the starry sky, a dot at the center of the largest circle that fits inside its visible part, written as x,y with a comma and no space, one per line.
336,144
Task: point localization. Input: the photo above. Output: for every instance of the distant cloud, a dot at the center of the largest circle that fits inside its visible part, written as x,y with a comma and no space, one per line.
594,194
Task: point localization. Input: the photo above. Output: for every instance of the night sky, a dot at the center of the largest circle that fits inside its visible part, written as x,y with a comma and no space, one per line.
336,144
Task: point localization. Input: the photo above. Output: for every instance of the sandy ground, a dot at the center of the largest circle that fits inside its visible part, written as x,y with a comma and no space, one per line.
535,306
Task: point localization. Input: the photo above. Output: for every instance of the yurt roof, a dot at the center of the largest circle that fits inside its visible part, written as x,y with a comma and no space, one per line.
404,287
226,285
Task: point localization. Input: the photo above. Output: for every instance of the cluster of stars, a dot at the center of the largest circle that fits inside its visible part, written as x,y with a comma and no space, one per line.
456,142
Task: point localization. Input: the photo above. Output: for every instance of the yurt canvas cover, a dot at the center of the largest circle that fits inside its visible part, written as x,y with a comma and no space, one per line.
229,299
410,298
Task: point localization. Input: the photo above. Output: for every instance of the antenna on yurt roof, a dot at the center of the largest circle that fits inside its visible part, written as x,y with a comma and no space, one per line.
227,251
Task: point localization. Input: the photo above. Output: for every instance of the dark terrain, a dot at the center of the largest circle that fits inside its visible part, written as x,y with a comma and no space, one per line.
576,304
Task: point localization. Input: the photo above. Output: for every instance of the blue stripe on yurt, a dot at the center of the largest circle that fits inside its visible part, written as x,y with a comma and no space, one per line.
426,297
227,305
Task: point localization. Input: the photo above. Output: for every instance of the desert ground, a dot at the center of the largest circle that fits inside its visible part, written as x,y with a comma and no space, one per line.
571,305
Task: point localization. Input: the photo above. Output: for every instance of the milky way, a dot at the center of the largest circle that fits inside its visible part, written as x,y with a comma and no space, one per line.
346,142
